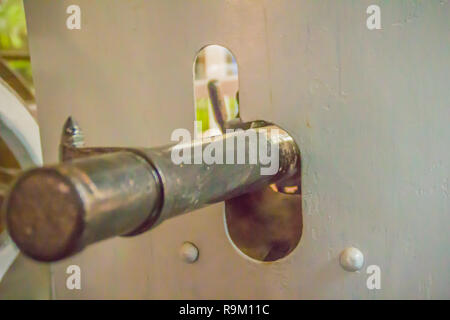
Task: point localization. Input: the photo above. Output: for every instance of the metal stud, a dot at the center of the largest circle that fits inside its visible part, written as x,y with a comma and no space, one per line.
351,259
189,252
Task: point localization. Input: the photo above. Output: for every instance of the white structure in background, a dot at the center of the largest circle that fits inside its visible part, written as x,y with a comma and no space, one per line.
21,133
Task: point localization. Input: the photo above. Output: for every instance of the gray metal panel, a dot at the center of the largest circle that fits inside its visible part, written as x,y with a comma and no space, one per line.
369,110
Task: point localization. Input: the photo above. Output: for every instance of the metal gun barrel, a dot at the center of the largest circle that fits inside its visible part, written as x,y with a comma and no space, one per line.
55,211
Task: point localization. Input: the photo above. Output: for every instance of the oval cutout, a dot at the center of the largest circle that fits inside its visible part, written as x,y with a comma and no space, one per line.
265,225
216,87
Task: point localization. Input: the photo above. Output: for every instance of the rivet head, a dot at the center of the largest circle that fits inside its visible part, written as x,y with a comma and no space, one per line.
189,252
351,259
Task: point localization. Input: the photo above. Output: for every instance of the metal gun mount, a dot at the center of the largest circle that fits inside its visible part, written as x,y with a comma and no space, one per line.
55,211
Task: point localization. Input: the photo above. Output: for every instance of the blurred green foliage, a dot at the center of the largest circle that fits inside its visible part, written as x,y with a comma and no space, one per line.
202,106
23,67
13,29
202,113
13,36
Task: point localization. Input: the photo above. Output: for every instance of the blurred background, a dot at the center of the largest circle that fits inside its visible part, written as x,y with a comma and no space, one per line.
20,278
13,40
216,69
15,72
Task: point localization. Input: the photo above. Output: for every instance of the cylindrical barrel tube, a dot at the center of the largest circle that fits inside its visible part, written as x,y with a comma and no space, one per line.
53,212
222,167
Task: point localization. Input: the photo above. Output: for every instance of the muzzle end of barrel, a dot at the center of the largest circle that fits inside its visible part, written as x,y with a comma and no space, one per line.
34,218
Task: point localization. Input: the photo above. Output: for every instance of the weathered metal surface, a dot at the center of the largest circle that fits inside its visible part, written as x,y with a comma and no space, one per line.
369,109
56,211
265,225
53,212
189,187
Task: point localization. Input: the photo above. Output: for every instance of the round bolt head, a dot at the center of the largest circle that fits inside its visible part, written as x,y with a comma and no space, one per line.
351,259
189,252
